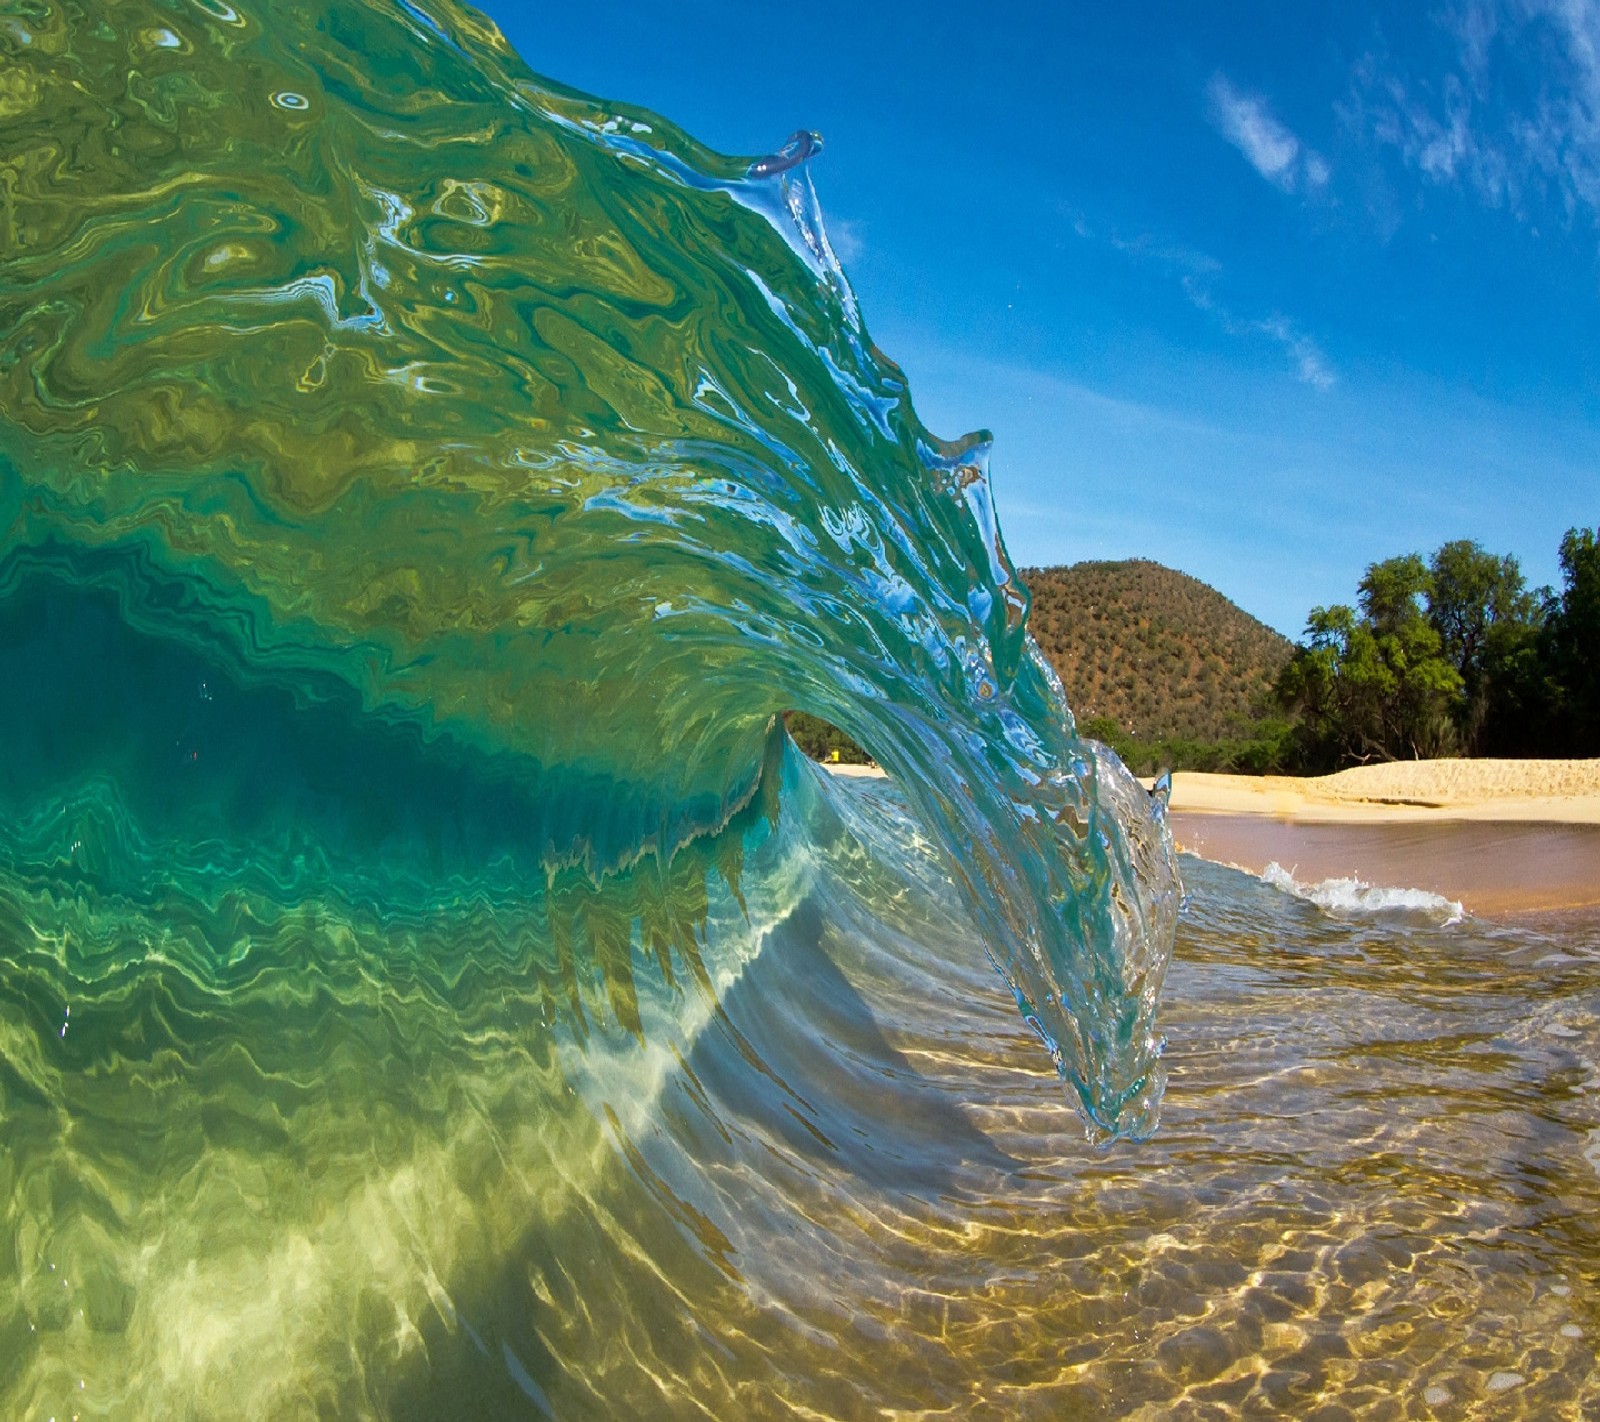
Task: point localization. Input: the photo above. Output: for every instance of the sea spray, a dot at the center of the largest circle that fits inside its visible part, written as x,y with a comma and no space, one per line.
1351,896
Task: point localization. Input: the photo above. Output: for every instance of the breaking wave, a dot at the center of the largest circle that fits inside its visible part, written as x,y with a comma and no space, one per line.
422,490
1352,897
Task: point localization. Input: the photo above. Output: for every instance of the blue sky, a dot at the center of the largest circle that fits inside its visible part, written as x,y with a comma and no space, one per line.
1260,294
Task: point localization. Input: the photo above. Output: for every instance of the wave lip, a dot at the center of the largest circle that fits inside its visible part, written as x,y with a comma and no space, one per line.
1354,898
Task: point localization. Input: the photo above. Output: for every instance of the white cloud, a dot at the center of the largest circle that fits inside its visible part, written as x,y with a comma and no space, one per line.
1310,365
1198,273
1474,27
1516,119
1439,139
1569,137
1272,150
1175,258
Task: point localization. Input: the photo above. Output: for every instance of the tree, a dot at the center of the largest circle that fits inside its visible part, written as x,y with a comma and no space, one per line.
1334,683
1419,685
1392,593
822,741
1488,623
1373,686
1455,653
1571,645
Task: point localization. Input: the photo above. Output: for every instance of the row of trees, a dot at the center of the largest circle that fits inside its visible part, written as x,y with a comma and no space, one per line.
1452,656
823,741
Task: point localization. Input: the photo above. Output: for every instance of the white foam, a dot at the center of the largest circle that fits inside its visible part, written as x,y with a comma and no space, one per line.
1349,897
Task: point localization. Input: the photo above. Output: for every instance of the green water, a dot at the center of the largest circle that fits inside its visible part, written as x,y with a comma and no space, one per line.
344,350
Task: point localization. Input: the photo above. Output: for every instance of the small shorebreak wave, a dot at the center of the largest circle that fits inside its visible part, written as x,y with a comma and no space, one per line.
1352,897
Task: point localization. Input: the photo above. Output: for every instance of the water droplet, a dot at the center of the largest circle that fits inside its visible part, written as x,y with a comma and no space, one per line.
288,99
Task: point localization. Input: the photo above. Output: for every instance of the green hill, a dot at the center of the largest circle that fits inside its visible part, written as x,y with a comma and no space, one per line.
1165,666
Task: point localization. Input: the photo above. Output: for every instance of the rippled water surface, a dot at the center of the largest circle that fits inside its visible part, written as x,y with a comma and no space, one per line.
847,1190
431,985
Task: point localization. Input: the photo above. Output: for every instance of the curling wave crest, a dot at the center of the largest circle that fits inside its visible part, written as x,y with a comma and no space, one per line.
422,490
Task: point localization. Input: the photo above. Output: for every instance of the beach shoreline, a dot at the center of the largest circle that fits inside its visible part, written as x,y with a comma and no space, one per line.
1398,792
1500,837
1544,791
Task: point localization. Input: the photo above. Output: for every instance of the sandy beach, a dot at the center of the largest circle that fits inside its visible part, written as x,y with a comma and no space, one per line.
854,772
1498,836
1501,837
1548,791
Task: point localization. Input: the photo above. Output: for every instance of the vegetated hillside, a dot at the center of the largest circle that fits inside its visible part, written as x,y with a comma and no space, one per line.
1162,654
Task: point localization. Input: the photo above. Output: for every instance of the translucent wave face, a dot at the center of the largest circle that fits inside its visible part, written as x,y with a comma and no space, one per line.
540,429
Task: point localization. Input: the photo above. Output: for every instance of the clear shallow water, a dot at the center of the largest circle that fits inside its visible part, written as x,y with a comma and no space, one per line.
841,1185
430,986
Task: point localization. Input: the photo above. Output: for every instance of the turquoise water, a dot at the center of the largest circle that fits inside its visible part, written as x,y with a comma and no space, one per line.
528,442
422,489
432,984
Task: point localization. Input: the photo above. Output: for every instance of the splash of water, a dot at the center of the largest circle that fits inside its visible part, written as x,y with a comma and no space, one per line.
1351,896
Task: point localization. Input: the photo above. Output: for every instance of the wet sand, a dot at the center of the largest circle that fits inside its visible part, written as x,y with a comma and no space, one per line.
1501,837
1492,869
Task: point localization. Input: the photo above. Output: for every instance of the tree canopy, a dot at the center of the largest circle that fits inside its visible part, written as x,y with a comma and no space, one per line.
1454,655
1572,644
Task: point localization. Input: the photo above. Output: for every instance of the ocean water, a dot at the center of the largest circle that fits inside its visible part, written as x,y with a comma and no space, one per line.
828,1179
431,985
